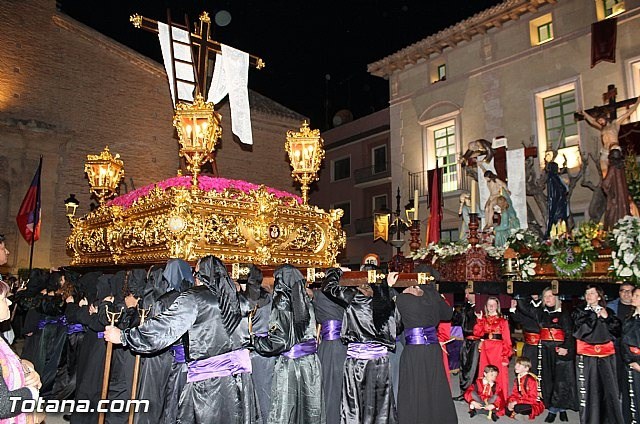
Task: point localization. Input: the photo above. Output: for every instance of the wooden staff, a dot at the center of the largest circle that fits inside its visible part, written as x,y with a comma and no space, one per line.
136,368
112,317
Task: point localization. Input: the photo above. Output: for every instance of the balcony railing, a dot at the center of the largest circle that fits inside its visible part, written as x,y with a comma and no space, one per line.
372,173
418,181
364,225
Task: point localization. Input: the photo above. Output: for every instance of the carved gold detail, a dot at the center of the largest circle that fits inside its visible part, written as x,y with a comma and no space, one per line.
199,129
188,223
136,20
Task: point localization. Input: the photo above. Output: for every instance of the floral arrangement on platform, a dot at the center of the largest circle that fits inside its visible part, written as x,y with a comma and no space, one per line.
444,251
571,254
205,183
624,239
525,242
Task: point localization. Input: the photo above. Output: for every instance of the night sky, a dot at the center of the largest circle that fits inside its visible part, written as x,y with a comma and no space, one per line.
316,51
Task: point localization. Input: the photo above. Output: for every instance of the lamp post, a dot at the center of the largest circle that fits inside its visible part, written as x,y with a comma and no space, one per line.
305,149
199,129
104,172
71,205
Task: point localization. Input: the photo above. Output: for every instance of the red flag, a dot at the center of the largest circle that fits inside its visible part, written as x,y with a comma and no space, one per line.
434,179
28,218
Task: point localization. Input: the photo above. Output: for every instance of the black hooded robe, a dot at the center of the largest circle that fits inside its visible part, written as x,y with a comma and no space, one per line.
367,395
163,374
210,315
296,396
424,393
332,354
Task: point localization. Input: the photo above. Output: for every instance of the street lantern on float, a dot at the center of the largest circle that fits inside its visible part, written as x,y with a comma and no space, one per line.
104,172
306,151
71,205
199,129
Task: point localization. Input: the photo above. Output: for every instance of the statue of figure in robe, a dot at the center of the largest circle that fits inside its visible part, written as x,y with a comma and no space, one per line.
616,190
509,221
557,201
463,212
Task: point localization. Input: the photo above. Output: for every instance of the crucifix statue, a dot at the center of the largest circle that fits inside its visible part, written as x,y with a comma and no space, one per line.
605,119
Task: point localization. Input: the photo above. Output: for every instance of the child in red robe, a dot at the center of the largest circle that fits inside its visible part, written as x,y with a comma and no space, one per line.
524,399
485,395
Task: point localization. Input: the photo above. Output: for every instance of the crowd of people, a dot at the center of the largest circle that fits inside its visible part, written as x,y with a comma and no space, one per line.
215,349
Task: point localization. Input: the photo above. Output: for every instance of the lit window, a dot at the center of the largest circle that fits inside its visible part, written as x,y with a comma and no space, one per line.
442,72
541,29
555,123
437,70
341,169
379,159
545,32
609,8
558,118
346,208
445,148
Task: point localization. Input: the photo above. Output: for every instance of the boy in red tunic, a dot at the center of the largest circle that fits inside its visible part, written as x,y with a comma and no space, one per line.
485,395
524,399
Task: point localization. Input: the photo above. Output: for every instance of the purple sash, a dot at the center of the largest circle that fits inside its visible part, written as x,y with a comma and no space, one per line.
330,329
234,362
62,320
100,334
75,328
366,351
178,353
421,336
261,334
301,349
456,331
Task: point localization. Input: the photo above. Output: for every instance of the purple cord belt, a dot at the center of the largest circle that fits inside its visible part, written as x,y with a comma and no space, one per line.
62,320
421,336
299,350
100,334
330,329
366,351
231,363
178,353
75,328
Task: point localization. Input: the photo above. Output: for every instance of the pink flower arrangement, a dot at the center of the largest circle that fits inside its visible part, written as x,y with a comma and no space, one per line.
205,183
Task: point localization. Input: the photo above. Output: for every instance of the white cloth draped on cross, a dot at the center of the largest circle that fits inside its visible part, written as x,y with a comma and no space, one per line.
230,76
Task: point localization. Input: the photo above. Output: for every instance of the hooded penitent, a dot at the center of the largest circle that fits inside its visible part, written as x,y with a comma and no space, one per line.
289,282
214,275
178,275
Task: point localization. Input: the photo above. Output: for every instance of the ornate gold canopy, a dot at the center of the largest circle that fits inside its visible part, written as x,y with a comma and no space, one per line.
238,225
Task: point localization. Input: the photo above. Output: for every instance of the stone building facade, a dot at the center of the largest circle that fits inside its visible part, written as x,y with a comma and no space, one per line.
67,91
498,73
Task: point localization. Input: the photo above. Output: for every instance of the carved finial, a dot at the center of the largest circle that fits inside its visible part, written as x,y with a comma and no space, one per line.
204,17
136,20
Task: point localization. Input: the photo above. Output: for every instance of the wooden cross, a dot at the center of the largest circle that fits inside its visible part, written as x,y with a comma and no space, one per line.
204,48
610,108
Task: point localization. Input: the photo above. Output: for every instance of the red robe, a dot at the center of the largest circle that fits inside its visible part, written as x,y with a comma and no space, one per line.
525,390
493,351
485,392
444,334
